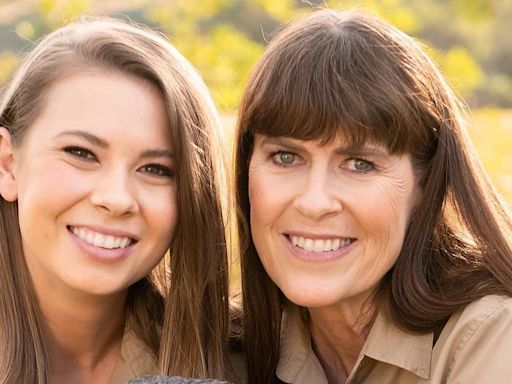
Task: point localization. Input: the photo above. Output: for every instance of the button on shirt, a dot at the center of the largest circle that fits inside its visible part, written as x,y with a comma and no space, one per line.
474,347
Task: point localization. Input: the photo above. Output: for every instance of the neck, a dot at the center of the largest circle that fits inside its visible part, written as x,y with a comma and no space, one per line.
83,334
338,337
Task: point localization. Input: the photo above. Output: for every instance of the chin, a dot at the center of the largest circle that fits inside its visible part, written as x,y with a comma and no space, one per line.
308,299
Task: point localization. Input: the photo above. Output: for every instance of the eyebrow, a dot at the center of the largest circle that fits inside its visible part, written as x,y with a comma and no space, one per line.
349,150
95,140
361,151
284,141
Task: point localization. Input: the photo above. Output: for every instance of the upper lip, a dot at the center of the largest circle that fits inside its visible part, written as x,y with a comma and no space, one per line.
107,231
319,236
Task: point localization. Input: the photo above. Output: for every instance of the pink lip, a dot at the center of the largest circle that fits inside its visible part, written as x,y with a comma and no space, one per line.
103,255
311,256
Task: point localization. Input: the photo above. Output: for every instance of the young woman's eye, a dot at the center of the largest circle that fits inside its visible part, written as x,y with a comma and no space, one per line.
360,165
157,170
284,158
80,153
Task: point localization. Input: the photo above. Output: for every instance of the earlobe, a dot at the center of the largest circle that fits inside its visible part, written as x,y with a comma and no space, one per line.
8,188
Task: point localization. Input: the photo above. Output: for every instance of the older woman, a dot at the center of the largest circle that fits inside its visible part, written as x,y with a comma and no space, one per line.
374,249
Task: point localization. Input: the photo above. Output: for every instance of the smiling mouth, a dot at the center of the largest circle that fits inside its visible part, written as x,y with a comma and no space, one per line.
320,245
100,240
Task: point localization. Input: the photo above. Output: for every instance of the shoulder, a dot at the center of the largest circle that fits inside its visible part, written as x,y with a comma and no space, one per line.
484,316
477,341
488,306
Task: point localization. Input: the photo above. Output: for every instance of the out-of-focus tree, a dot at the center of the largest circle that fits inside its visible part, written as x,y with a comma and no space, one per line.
470,39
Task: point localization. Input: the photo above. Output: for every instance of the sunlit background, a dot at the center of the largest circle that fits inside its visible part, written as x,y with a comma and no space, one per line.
469,39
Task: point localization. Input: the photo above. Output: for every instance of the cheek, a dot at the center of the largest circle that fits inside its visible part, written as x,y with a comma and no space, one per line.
269,195
47,189
162,214
265,206
385,219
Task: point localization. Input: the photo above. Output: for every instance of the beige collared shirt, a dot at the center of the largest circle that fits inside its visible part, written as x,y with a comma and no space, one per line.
475,347
136,360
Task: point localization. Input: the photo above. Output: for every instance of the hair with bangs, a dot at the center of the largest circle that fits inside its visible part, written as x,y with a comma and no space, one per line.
194,316
354,75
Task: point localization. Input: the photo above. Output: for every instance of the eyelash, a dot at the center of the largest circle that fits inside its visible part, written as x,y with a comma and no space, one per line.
371,166
161,170
80,153
152,169
275,157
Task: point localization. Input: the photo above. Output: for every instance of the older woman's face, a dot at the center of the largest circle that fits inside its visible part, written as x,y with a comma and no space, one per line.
328,222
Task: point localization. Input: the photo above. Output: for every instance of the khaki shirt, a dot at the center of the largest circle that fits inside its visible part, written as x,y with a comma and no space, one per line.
475,347
136,360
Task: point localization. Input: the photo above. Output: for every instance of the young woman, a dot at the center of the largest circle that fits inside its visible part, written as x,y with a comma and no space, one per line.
109,157
376,250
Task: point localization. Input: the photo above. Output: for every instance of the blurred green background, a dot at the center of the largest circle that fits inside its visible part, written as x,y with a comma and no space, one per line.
469,39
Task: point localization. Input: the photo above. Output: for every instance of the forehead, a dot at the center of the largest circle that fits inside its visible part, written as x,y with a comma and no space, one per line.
100,100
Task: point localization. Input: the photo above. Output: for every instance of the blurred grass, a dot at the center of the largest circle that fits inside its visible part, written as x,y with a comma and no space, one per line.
491,133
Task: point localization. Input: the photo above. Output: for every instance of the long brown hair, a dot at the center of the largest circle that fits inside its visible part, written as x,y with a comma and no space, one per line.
352,74
194,314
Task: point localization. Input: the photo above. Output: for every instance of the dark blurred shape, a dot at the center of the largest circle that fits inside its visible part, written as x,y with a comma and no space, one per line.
173,380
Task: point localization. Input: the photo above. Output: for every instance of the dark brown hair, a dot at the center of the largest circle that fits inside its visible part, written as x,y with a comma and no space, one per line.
350,74
194,316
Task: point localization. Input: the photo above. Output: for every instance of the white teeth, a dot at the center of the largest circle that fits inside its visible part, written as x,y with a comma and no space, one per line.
124,242
100,240
309,244
319,245
109,242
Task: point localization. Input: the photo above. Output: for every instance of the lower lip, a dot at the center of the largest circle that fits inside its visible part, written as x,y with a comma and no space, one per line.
302,254
103,255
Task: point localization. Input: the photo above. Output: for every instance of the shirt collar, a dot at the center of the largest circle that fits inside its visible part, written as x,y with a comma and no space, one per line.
297,362
405,349
385,343
136,359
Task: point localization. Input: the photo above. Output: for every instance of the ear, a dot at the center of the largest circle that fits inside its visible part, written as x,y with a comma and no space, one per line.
8,188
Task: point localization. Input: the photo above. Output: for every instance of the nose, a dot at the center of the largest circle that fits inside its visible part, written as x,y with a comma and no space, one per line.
114,193
319,196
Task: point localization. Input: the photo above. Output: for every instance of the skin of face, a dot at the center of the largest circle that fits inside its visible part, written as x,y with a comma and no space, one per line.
328,221
96,166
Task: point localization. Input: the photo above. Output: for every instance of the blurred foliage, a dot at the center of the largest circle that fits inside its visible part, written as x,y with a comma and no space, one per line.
492,134
8,60
223,38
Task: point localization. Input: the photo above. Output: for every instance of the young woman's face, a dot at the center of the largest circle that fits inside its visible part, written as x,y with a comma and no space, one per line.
95,187
328,222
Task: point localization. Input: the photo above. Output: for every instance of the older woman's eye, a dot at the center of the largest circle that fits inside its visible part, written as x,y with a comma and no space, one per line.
360,165
284,158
